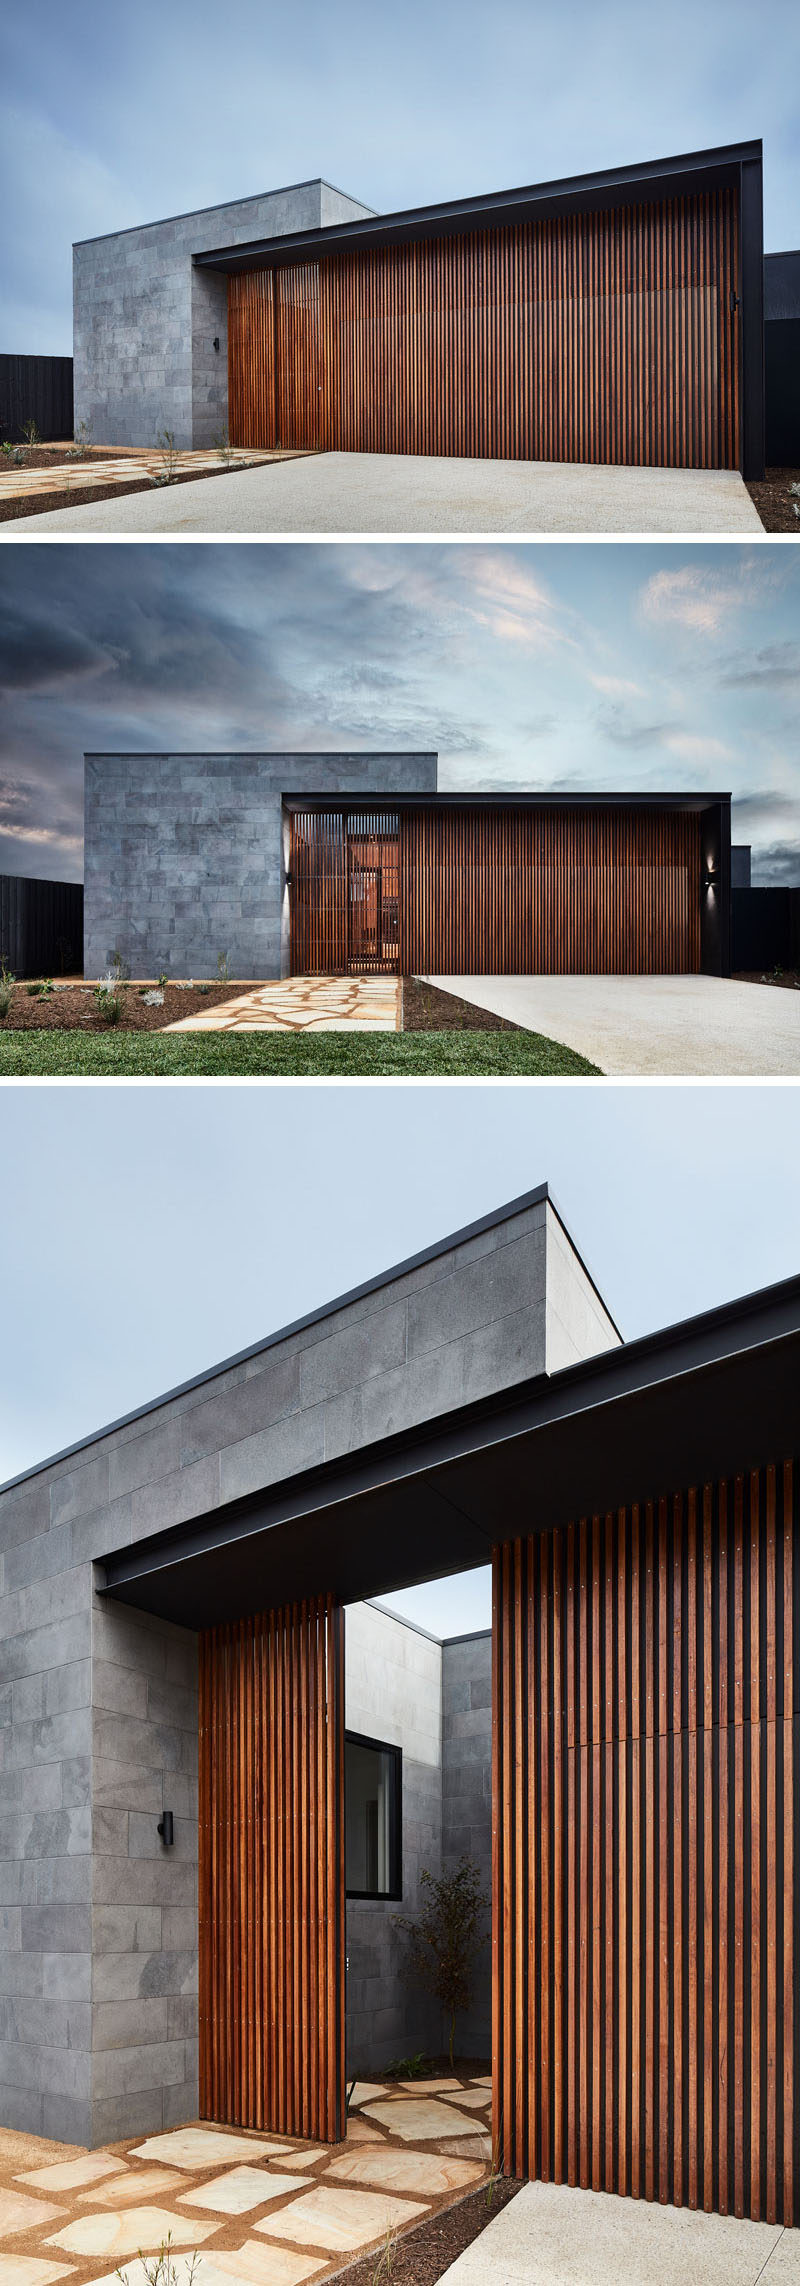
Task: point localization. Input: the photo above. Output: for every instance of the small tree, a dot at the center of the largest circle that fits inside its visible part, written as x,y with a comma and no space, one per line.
446,1936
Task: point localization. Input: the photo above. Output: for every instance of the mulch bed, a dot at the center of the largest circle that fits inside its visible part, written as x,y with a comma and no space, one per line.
786,976
69,492
426,1009
423,2255
73,1008
773,500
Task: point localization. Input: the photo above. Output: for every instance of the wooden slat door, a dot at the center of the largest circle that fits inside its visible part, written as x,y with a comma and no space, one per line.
646,1834
272,1901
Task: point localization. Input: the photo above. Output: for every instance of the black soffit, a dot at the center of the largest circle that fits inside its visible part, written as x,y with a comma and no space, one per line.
715,1396
681,177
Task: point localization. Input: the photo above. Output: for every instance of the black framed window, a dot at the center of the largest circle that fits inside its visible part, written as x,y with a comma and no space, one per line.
373,1797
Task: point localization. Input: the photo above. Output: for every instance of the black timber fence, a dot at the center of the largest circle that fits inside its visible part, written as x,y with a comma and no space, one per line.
36,389
41,926
765,928
782,358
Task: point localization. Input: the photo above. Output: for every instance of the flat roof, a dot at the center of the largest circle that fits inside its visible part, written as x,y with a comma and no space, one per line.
712,1396
681,176
535,1197
282,190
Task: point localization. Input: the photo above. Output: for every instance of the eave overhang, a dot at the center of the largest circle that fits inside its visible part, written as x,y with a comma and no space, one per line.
714,1396
645,182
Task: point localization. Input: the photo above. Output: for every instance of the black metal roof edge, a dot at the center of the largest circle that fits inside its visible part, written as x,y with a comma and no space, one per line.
540,1192
492,203
281,191
505,796
484,1421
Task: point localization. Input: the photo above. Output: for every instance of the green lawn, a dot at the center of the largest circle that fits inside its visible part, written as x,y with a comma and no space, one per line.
271,1055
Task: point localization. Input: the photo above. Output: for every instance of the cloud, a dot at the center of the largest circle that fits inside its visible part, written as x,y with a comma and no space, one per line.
693,597
774,667
616,687
693,747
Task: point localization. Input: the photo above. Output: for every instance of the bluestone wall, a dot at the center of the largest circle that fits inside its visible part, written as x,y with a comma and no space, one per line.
393,1692
145,320
185,854
98,1925
467,1803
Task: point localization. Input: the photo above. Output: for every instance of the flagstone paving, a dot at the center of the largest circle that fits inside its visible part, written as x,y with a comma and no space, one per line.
39,488
280,2211
242,2189
305,1004
339,2220
417,2121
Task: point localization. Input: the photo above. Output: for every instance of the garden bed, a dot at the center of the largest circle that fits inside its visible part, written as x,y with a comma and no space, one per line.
427,1009
72,1008
772,498
789,977
421,2257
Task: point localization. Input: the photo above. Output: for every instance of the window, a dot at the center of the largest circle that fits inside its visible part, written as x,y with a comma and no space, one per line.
372,1813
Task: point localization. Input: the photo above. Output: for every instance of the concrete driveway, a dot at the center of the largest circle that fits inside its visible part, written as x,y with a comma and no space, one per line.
642,1026
395,492
550,2235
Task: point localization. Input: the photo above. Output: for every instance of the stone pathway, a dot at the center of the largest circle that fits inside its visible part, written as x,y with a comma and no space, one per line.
306,1004
27,490
260,2210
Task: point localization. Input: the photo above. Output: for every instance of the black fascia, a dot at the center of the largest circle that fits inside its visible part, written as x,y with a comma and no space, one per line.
645,181
502,801
713,1396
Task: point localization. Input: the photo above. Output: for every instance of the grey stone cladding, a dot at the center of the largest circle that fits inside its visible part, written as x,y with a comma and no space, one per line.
145,320
98,1722
393,1692
185,854
467,1800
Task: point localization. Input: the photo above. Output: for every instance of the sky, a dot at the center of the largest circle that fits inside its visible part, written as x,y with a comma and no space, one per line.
151,1231
111,117
629,667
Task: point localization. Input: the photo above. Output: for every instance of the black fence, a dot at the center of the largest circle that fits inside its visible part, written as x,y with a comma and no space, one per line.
36,389
765,928
782,358
41,926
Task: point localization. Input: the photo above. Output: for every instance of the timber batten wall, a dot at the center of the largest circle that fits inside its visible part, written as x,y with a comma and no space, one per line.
646,1940
611,337
271,1875
467,892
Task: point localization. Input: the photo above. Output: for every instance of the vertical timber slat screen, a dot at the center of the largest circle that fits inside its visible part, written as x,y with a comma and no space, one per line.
646,1947
498,892
272,1871
605,337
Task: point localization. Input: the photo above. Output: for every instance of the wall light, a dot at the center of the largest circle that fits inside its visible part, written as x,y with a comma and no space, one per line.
166,1828
216,341
288,880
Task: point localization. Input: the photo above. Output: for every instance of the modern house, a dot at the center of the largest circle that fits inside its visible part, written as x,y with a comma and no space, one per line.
295,864
613,317
182,1664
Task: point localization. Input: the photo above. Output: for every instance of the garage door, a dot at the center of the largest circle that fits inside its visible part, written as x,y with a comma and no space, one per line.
647,1850
495,892
609,337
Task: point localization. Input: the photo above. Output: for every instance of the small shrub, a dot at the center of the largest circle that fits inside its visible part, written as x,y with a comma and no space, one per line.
6,988
7,449
224,449
409,2067
31,433
385,2263
110,997
165,444
204,988
162,981
82,442
446,1936
223,970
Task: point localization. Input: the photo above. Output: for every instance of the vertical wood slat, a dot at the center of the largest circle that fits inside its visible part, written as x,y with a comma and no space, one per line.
492,892
668,1726
271,1880
606,337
